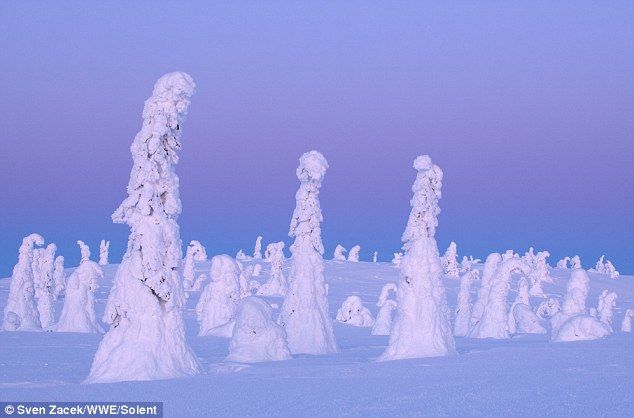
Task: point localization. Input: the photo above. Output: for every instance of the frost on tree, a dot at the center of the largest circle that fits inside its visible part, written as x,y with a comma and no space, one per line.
607,302
463,307
397,259
450,261
257,269
548,308
539,273
421,327
563,263
610,270
202,278
43,268
104,248
59,277
195,252
244,280
494,320
353,254
383,322
20,313
375,257
521,319
257,251
146,339
216,307
256,337
339,253
490,266
84,249
276,285
304,314
626,324
352,312
78,313
467,263
575,262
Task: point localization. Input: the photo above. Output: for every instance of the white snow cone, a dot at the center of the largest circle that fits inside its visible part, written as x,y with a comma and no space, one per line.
256,337
216,307
146,340
352,312
304,313
78,313
421,327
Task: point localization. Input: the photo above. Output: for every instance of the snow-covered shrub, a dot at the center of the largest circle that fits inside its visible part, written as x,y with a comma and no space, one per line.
352,312
84,249
548,308
78,313
422,327
575,262
256,337
217,304
563,263
20,313
276,285
463,307
375,257
607,302
43,268
304,314
339,253
59,277
353,254
490,267
626,324
521,319
397,259
104,248
450,261
581,327
146,339
195,252
257,250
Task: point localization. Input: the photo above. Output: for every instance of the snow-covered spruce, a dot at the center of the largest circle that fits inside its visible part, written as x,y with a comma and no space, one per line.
216,307
257,250
276,285
241,256
626,324
563,263
383,321
539,274
450,261
244,279
20,313
521,319
490,266
421,327
575,262
607,302
84,249
195,252
304,313
59,277
396,261
43,268
509,254
78,313
339,253
611,270
494,321
599,267
463,307
146,339
385,293
352,312
257,269
548,308
375,257
104,248
467,263
256,337
353,254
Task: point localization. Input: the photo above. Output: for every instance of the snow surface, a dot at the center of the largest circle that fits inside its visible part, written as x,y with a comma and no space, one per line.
526,373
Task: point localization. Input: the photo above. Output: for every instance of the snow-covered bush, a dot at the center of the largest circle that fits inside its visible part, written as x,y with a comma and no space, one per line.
43,268
463,307
352,312
353,254
582,327
59,277
421,327
276,285
375,257
256,337
575,262
217,304
521,319
304,313
563,263
78,313
607,302
20,313
84,249
339,253
146,339
195,252
397,259
450,261
490,266
626,324
104,248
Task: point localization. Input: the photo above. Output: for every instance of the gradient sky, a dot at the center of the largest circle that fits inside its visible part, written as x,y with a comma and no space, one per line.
527,107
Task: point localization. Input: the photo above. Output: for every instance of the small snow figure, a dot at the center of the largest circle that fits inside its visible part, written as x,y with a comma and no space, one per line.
44,266
353,254
85,251
607,302
78,313
276,286
241,256
626,325
59,277
338,255
217,304
563,263
257,251
104,248
304,314
375,257
421,327
195,252
352,312
397,259
609,269
20,313
463,308
575,262
490,266
450,261
256,337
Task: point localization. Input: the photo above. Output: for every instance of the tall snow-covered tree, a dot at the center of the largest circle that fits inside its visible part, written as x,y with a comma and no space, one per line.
276,285
104,248
257,250
463,307
59,277
146,339
421,327
490,266
216,307
43,268
304,313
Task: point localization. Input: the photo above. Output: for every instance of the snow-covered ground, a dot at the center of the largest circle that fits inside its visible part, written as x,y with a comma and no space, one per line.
526,375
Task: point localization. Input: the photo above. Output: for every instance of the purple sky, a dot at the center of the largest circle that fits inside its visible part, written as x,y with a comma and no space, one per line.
526,107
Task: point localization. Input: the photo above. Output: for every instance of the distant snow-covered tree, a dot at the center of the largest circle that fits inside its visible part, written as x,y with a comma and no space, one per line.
548,308
467,263
383,322
241,256
521,319
490,266
626,324
195,253
353,254
84,249
539,273
244,279
216,307
257,251
563,263
78,313
397,259
339,253
104,248
463,307
43,268
575,262
609,269
607,302
600,266
59,277
304,313
352,312
276,285
375,257
450,261
257,269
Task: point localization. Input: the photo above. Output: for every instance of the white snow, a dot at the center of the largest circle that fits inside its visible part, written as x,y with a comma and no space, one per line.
339,253
276,284
450,261
216,307
352,312
78,313
462,320
104,248
353,254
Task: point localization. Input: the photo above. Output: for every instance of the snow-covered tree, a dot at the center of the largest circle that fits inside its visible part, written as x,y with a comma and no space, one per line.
385,293
375,257
195,253
257,251
304,314
276,285
490,266
521,319
241,256
422,327
397,259
104,248
202,278
539,273
78,313
59,277
509,254
339,253
450,261
575,262
257,269
43,268
256,337
352,312
20,313
609,269
467,263
383,322
600,266
607,302
548,308
463,307
563,263
216,307
146,339
244,279
353,254
85,250
626,324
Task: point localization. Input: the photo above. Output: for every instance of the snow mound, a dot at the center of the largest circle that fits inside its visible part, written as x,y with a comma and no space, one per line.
580,328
